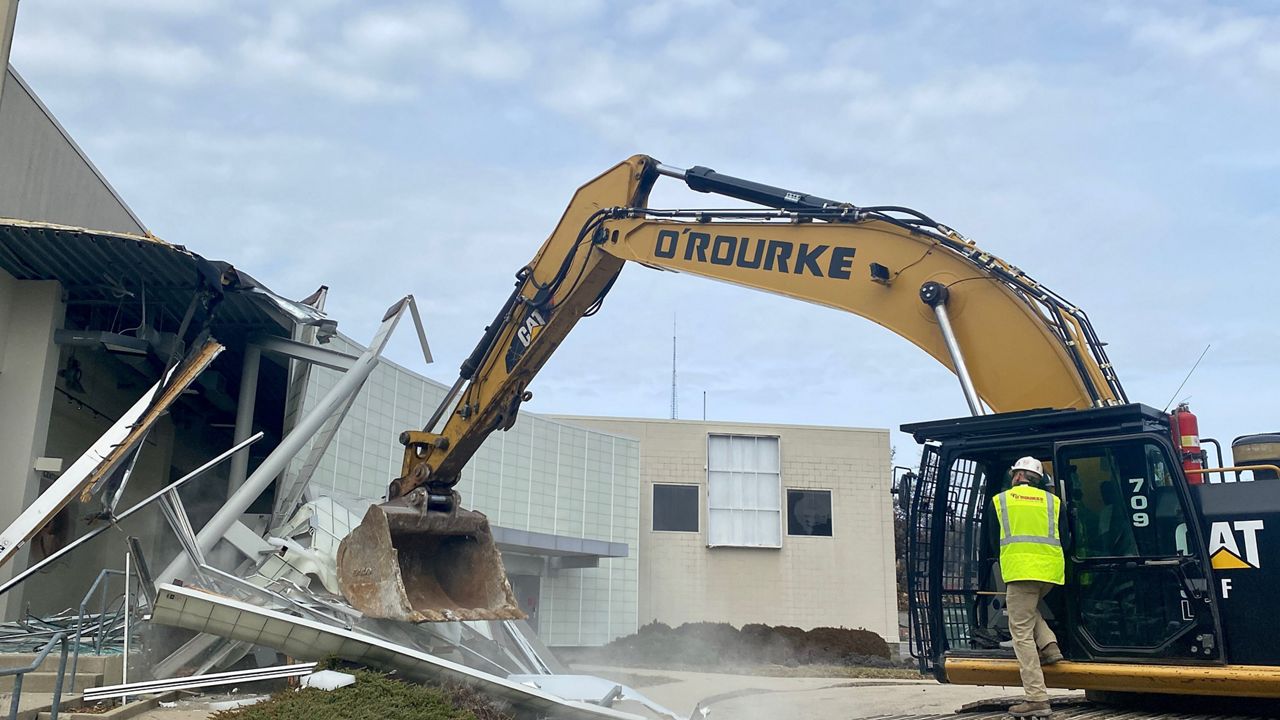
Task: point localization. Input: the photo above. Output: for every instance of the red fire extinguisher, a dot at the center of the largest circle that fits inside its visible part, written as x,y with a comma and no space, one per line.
1186,437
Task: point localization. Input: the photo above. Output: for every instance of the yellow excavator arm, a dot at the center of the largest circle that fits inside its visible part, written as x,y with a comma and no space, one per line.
1024,347
1014,344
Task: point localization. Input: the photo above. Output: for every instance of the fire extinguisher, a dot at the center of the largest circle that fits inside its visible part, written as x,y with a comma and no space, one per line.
1186,437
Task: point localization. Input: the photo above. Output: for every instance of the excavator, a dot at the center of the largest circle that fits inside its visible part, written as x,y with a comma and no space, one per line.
1172,568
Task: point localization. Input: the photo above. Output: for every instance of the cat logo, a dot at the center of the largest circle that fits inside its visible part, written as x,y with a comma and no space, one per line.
526,333
529,330
1224,550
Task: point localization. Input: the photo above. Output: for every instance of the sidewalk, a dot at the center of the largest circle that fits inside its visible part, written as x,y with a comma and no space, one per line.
753,697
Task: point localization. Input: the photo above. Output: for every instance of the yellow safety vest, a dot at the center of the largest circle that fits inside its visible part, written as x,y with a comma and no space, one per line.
1029,545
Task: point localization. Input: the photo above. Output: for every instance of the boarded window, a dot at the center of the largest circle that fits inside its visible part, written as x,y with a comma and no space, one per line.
809,512
744,491
675,508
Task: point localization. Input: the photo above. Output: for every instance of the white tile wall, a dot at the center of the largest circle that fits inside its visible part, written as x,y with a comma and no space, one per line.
541,475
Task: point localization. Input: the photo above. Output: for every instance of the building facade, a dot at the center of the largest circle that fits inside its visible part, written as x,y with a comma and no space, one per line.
777,524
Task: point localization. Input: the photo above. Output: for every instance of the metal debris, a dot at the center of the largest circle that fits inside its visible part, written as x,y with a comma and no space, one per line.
170,488
105,454
591,689
292,443
187,683
328,680
302,638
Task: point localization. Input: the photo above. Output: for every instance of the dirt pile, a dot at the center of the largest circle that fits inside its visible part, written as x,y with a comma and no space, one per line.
723,645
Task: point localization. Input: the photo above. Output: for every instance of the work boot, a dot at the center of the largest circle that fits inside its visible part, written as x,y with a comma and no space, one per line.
1050,654
1030,709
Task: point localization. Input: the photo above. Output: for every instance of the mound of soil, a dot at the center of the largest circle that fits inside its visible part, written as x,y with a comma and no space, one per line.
720,644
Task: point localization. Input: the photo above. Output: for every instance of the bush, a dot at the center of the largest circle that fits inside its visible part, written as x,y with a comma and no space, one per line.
374,696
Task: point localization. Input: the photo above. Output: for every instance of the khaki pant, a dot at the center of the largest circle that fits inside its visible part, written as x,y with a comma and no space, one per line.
1030,633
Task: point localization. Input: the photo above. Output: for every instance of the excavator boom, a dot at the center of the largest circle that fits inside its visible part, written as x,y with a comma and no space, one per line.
1013,343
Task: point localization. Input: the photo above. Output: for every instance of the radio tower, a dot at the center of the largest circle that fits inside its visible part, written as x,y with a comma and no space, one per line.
674,401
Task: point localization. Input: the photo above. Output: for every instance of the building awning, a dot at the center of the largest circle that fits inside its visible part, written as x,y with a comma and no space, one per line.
546,544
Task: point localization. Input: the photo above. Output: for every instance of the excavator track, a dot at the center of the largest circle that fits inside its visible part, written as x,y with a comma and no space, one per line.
1078,708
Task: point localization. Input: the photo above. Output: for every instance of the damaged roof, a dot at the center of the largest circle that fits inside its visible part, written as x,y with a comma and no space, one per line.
96,266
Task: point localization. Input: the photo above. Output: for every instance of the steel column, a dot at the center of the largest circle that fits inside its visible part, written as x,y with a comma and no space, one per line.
245,403
266,473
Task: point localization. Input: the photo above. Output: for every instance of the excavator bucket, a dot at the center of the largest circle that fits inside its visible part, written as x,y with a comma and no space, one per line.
407,563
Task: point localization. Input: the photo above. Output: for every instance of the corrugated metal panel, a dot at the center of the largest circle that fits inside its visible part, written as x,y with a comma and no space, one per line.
44,175
94,265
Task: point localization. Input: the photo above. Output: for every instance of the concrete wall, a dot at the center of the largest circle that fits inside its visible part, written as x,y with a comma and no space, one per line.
30,311
542,476
845,580
45,176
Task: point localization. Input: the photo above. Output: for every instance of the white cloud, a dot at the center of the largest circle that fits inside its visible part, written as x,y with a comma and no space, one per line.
488,59
72,9
1096,152
75,52
439,36
560,12
1243,49
383,33
281,51
1199,37
650,18
1269,57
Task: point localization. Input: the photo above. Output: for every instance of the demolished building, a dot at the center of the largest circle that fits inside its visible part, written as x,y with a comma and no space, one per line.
111,330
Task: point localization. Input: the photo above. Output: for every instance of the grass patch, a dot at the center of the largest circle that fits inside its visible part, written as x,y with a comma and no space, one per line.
374,696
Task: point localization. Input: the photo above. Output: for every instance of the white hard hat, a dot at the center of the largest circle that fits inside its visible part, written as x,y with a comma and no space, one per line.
1029,464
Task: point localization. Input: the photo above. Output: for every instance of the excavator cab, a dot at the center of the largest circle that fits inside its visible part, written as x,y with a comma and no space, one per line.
1141,589
1138,573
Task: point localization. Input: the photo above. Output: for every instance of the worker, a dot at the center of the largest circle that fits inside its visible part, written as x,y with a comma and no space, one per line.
1031,563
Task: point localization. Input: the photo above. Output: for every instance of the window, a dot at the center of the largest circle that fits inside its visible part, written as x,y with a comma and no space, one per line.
809,512
675,508
744,491
1124,502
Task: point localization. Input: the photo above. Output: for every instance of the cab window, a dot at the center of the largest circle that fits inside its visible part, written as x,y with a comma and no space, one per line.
1122,500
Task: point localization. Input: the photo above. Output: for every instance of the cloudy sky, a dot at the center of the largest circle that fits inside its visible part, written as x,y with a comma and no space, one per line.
1124,154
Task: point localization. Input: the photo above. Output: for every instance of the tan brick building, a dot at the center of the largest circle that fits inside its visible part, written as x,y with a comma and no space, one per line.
751,523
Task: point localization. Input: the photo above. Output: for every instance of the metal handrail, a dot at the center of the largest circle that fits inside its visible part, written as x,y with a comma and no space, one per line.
1237,469
21,672
107,628
75,660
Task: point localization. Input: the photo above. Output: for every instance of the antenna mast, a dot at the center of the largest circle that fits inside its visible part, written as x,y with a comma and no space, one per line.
674,399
